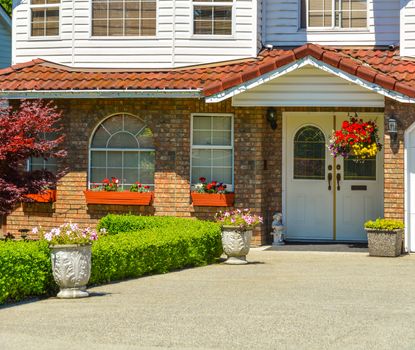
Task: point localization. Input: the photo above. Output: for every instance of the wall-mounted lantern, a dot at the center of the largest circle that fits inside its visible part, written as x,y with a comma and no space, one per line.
393,129
272,117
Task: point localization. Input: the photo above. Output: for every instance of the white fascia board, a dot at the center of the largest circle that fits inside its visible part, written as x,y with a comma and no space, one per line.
309,60
65,94
6,18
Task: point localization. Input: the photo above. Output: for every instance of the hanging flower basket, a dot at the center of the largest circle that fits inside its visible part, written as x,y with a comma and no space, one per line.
355,138
120,198
47,196
213,199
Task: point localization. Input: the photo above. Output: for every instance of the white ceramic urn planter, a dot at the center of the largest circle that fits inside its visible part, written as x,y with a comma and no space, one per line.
236,243
71,267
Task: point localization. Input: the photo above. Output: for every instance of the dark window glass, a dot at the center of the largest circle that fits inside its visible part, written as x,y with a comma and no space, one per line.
309,154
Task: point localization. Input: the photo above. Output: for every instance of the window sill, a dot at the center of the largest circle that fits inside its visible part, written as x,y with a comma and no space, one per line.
212,37
334,30
123,37
44,38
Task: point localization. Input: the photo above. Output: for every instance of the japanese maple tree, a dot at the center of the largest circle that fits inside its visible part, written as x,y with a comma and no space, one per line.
22,135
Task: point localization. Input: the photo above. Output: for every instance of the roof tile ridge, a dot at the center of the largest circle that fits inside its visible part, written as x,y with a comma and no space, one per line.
20,66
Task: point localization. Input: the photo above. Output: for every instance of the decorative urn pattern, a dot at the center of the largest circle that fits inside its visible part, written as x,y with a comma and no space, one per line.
71,267
236,244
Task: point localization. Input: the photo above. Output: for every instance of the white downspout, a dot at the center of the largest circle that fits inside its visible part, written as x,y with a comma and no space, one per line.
173,39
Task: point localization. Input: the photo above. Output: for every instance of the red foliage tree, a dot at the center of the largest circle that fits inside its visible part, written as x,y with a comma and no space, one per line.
22,135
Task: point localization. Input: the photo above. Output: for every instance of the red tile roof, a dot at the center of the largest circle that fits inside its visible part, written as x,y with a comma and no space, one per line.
383,67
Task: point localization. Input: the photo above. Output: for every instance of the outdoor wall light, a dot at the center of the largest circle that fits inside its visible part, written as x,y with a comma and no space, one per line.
393,129
272,117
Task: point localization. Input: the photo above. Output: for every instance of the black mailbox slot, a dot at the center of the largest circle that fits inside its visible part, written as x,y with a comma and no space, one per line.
359,188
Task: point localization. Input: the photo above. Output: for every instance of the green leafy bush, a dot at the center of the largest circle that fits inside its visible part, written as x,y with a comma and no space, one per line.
25,270
7,5
147,245
152,245
115,224
384,224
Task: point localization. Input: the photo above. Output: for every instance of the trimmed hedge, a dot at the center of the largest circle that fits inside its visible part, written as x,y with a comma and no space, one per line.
115,224
25,270
142,245
152,245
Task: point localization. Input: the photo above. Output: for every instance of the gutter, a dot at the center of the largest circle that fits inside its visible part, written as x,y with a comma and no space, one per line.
66,94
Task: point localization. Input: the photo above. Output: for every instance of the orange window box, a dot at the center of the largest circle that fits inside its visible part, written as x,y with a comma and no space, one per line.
120,198
47,196
213,199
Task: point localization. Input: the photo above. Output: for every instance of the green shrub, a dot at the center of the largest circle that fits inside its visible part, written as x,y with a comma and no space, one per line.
384,224
115,224
148,245
25,270
167,243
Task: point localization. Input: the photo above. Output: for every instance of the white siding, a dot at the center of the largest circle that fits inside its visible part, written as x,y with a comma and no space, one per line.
5,44
283,22
309,86
407,44
76,47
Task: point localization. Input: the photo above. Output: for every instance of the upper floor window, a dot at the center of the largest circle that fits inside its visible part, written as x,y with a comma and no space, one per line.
44,18
124,17
212,17
334,14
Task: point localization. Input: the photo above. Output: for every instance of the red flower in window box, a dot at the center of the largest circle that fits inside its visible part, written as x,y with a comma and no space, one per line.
47,196
212,194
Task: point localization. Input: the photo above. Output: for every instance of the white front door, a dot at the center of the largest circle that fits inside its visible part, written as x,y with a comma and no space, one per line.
327,198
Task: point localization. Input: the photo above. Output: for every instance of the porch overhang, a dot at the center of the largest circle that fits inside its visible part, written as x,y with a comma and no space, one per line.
307,61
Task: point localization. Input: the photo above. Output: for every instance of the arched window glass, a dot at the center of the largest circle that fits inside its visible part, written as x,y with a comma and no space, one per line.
309,153
122,147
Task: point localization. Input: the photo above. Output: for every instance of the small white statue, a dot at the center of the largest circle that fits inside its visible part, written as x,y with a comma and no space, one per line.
277,229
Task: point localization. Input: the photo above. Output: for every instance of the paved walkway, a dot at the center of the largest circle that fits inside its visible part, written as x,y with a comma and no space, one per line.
283,300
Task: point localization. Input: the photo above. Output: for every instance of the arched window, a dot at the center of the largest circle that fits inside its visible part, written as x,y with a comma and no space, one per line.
122,146
309,153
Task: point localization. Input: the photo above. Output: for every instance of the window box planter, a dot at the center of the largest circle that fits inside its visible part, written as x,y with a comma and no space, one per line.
120,198
47,196
384,242
213,199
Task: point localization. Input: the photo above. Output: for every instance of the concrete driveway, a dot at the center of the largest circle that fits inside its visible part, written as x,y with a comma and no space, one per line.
282,300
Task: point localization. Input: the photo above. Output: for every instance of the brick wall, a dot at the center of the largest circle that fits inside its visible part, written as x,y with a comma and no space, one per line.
394,191
257,168
257,163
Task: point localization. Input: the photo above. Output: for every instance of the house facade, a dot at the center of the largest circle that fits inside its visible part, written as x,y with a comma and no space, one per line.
5,39
242,92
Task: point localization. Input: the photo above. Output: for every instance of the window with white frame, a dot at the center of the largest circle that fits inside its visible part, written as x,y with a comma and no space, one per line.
212,17
334,14
122,147
38,163
212,149
44,18
124,17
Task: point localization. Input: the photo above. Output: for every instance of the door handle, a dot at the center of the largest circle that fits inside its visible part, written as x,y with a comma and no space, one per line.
329,178
338,177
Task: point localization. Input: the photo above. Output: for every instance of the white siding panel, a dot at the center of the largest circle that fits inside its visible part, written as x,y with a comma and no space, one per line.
174,44
407,28
283,21
309,86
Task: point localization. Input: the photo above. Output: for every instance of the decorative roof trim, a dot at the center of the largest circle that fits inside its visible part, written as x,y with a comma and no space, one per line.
309,60
16,95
